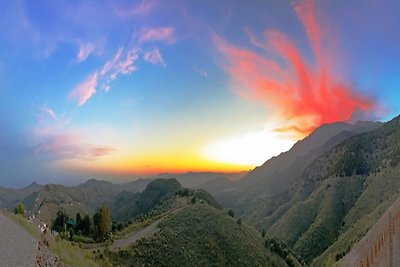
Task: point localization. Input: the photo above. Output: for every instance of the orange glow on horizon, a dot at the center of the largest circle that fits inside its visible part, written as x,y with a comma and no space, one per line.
147,165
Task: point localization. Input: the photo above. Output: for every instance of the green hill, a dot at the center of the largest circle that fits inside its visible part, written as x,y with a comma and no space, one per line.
131,205
339,196
276,175
200,235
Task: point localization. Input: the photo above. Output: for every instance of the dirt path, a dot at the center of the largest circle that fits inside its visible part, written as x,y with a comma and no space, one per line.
147,231
17,247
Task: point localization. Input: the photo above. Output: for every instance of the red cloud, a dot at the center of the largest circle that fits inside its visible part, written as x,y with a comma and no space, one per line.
305,97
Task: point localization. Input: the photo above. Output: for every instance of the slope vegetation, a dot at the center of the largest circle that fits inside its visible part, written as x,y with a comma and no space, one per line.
339,196
129,206
276,175
200,235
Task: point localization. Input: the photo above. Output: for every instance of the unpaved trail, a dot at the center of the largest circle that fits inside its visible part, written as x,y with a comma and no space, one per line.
17,247
147,231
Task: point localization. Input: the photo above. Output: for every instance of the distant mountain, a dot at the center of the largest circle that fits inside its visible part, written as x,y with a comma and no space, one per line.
337,197
131,205
200,179
218,185
200,235
9,196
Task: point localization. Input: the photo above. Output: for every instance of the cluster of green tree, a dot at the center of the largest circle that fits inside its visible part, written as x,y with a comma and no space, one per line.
19,209
279,247
84,229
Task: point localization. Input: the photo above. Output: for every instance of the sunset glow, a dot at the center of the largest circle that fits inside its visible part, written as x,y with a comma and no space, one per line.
135,88
251,149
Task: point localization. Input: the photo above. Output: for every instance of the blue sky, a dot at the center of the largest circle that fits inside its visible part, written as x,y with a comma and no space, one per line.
123,89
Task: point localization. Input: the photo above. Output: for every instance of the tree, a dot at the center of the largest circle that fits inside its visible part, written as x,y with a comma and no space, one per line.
263,233
193,200
239,221
102,223
19,209
231,213
60,223
79,222
86,225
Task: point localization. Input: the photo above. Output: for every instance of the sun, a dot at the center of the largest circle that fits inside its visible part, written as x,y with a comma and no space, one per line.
251,149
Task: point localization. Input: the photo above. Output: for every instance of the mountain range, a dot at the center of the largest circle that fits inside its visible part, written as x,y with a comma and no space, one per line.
319,198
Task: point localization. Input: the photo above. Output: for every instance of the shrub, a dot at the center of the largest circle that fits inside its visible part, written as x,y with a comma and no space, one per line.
19,209
231,213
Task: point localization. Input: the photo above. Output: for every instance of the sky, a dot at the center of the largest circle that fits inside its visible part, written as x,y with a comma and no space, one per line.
125,89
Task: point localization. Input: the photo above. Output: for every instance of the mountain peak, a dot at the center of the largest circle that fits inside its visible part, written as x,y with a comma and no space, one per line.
33,185
94,181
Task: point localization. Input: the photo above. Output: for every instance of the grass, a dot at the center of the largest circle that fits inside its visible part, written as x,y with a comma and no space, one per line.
71,254
24,223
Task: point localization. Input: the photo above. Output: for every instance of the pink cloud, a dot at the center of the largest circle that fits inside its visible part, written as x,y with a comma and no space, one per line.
154,57
111,63
85,90
85,49
127,66
70,146
165,34
118,65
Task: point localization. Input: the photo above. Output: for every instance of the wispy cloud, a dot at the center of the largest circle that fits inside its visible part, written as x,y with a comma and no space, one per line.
85,90
85,49
49,112
118,65
53,137
111,63
127,65
202,73
70,146
142,9
122,63
165,34
154,57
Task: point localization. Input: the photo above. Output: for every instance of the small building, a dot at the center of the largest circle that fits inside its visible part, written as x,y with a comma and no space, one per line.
71,223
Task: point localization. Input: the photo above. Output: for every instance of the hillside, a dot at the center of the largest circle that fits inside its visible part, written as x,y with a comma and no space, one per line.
46,200
200,235
276,175
131,205
9,196
339,196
